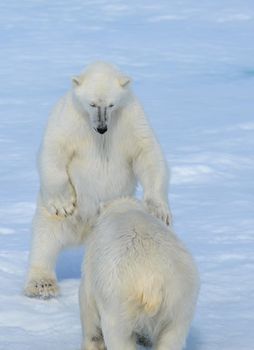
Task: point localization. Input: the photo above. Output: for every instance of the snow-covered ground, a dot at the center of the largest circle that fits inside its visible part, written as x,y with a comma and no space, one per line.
192,64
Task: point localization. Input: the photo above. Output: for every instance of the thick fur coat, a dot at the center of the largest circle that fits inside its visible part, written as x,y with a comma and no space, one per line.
139,282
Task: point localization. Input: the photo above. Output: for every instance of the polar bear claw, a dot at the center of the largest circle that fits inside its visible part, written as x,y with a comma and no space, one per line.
160,210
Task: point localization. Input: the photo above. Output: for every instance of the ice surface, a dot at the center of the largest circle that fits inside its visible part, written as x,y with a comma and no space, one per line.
192,64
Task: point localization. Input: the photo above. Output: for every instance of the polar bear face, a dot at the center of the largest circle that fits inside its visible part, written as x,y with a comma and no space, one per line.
101,91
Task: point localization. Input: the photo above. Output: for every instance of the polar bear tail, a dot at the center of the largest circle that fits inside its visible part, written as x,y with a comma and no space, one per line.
150,303
146,297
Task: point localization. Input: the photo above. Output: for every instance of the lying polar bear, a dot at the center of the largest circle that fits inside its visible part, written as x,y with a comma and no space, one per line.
97,146
138,281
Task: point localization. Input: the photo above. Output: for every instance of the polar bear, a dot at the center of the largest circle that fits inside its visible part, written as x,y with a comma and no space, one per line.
97,146
139,282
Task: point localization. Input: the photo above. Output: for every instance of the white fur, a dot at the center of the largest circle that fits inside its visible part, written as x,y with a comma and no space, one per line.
138,278
79,167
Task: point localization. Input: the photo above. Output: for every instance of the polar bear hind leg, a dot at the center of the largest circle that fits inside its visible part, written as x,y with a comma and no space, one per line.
50,236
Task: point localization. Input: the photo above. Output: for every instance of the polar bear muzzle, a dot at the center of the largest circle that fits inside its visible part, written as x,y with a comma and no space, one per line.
102,129
102,117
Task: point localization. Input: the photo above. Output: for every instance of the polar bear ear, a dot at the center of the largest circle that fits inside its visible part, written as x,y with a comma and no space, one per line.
77,80
124,80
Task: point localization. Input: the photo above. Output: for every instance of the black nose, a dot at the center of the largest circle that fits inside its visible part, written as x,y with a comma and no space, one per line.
102,130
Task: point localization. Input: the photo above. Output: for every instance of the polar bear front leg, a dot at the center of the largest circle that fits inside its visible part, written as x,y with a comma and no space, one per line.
151,170
62,201
57,191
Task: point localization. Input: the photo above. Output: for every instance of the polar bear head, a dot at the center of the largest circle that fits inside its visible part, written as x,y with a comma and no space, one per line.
100,91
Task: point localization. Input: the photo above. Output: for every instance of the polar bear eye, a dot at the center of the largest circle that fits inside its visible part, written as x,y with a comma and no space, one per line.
92,104
111,105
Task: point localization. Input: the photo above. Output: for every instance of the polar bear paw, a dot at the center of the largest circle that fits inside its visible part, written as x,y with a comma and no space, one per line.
63,204
160,210
44,288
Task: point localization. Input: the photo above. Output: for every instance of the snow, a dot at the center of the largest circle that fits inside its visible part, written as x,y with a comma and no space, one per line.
192,67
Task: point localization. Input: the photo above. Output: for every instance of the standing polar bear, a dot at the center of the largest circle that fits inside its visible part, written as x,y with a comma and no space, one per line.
98,144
